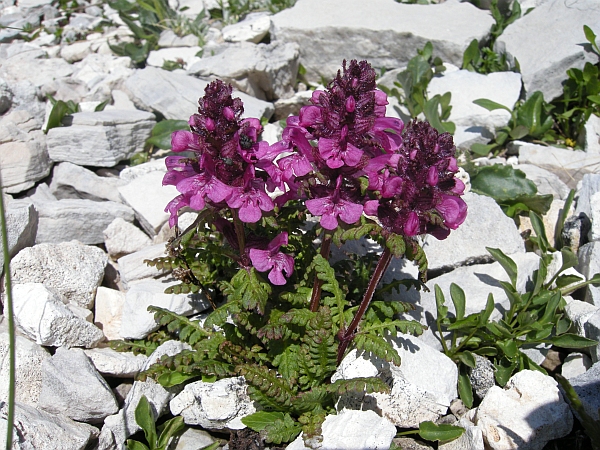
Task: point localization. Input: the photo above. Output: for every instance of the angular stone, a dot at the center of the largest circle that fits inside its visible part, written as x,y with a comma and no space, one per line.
590,184
192,439
41,315
76,51
569,165
72,269
588,389
101,73
545,55
592,331
353,430
578,313
219,405
253,28
474,235
38,68
116,364
575,364
82,220
137,322
73,181
21,226
589,265
417,392
108,309
168,38
545,181
175,95
23,163
465,86
148,198
72,387
351,30
526,414
594,234
482,376
186,55
122,238
132,267
267,72
28,369
40,430
592,134
102,138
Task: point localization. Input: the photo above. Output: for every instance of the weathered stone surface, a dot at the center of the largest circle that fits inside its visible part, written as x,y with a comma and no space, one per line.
39,68
417,393
132,267
122,238
545,181
79,219
137,322
253,28
101,138
42,316
72,269
186,55
578,313
353,430
21,226
545,55
590,184
592,331
525,415
168,38
28,369
101,73
589,265
23,163
474,235
219,405
267,72
350,30
39,430
465,86
575,364
588,389
73,181
591,134
482,376
148,198
72,387
176,95
108,308
116,364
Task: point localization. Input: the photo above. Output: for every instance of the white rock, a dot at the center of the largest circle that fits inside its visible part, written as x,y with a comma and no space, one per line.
528,413
219,405
578,313
353,430
592,331
72,269
350,30
417,392
80,219
588,389
137,322
545,181
148,198
592,134
6,96
39,430
589,265
28,369
187,55
176,95
192,439
575,364
472,439
465,86
590,184
474,235
101,73
21,226
76,51
569,165
35,67
253,28
41,315
73,181
132,267
132,172
264,71
23,163
72,387
122,238
116,364
168,38
108,309
100,138
594,234
545,55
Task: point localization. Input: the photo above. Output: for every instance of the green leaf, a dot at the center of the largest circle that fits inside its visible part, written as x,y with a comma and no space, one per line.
258,421
482,149
145,419
503,373
540,231
162,131
467,359
171,379
442,311
465,390
213,446
594,98
591,37
502,183
458,298
58,112
569,340
509,266
471,54
282,430
490,105
487,312
135,445
565,280
169,429
444,432
509,347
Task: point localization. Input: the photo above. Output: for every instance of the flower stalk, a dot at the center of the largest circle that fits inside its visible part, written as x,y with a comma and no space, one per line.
316,292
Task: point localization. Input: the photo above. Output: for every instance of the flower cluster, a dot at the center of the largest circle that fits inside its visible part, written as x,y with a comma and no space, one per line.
341,156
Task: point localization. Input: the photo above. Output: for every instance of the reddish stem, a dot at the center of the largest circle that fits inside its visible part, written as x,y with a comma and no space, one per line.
316,292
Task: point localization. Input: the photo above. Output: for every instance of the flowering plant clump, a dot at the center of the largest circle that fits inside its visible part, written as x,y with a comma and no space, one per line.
284,315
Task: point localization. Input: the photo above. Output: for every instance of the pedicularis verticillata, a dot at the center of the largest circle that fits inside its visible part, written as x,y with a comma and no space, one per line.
342,171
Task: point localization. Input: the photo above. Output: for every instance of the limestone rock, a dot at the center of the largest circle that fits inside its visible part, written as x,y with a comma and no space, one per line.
122,238
588,389
185,55
72,387
592,331
41,315
100,138
108,309
23,163
528,413
116,364
253,28
132,267
575,364
73,181
72,269
219,405
589,265
176,95
21,226
350,30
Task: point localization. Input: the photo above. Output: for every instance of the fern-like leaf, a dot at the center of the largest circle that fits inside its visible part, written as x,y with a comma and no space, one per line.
165,263
361,385
378,346
298,299
249,290
189,331
266,387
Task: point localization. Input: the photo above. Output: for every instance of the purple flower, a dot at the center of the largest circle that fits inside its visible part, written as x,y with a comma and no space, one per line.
333,206
274,260
251,199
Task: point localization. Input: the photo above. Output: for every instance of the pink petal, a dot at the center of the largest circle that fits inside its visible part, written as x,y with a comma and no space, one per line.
411,227
319,206
453,210
349,212
182,140
260,259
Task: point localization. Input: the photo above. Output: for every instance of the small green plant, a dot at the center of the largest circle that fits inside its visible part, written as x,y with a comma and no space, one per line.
480,57
529,120
533,318
414,81
433,432
144,417
61,109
